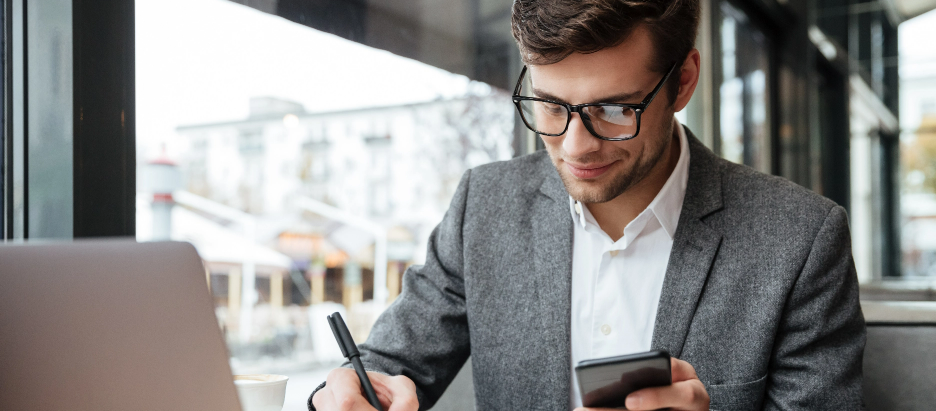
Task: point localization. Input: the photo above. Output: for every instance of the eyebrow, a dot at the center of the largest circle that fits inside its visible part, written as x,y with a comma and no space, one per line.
617,98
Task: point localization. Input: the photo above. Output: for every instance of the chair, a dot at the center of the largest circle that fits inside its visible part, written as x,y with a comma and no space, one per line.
459,396
900,355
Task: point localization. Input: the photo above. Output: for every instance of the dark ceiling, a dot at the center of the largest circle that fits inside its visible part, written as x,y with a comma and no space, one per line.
470,37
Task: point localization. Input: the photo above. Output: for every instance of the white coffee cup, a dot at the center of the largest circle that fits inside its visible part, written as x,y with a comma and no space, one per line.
261,392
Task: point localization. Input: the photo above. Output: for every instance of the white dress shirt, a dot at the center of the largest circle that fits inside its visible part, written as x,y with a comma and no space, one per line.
616,285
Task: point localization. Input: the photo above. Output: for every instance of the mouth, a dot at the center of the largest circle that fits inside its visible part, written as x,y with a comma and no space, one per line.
588,171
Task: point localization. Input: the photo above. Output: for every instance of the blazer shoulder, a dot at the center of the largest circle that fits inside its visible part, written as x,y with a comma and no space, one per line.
774,196
515,176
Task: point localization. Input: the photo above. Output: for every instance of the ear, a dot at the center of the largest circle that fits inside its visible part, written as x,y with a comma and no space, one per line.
688,79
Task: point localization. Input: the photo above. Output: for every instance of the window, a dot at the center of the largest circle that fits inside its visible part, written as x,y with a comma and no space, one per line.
307,169
918,148
744,91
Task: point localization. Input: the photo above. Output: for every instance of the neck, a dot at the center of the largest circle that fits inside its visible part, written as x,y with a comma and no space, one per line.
613,216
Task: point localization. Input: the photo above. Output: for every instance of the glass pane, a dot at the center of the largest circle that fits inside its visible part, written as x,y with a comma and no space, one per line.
612,122
307,169
918,156
544,117
5,138
918,146
49,119
744,104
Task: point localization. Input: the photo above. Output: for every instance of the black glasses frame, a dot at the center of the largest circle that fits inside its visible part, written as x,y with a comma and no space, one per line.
577,108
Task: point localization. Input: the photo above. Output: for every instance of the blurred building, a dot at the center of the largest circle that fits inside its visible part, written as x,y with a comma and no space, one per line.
326,188
919,234
918,173
393,164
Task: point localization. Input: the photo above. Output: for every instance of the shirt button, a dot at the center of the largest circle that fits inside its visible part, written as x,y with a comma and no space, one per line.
578,208
614,253
606,329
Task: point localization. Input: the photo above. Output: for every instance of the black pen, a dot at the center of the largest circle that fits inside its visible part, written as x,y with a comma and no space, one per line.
350,351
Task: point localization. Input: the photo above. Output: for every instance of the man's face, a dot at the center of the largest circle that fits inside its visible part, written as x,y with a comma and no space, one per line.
593,170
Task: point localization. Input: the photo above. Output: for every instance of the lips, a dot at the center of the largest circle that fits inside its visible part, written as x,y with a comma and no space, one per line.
588,171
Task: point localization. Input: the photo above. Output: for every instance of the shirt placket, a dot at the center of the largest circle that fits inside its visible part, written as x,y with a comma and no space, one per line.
606,308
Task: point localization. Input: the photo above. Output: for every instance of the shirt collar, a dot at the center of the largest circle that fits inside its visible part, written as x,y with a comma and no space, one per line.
578,212
667,205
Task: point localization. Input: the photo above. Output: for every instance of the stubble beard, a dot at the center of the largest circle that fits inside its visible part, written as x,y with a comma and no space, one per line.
619,183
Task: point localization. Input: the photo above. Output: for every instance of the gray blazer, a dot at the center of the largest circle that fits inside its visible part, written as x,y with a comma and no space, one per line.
760,293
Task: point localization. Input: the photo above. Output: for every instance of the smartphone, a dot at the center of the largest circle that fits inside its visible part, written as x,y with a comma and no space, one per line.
606,382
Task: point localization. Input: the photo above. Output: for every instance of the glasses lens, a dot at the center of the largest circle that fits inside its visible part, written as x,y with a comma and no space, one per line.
612,121
544,117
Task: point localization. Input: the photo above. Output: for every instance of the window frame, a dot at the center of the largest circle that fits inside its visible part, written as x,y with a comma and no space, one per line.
103,144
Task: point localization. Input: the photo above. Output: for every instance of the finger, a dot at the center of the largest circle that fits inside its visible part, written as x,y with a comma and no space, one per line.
346,389
381,388
324,400
688,395
404,394
682,370
397,393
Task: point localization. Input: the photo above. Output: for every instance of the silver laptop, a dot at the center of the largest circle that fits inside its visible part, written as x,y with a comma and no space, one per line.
109,325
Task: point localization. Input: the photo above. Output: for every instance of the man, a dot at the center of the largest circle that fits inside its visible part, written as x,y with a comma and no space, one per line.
627,235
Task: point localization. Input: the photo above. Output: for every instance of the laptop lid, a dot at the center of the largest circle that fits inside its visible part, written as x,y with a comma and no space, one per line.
109,325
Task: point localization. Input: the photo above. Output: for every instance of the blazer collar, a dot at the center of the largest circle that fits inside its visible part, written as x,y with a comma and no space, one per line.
695,246
704,190
552,268
552,184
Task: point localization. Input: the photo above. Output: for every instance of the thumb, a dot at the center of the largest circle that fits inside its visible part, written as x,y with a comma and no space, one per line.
682,370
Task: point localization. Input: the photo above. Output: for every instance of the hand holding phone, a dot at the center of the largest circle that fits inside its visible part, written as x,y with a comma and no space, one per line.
645,381
606,382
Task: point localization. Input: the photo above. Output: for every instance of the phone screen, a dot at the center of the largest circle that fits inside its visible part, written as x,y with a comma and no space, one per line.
606,382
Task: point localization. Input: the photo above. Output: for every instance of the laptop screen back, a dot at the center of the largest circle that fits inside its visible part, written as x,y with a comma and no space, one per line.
109,325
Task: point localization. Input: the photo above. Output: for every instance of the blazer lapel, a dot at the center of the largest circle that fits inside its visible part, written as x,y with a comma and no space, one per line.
552,264
694,248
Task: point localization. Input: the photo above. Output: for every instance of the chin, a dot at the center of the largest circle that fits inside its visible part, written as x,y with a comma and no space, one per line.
593,191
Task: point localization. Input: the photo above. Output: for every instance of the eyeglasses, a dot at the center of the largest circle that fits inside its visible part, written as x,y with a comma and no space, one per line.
607,121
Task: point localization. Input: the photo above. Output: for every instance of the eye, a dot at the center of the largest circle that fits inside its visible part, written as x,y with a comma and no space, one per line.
621,116
551,108
611,113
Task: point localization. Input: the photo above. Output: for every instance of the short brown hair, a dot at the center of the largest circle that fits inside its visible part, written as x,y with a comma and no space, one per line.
548,31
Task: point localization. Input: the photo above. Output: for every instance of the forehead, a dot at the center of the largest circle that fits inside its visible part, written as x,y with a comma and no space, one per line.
582,78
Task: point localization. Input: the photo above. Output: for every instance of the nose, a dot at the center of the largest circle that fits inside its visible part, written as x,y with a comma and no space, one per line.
577,141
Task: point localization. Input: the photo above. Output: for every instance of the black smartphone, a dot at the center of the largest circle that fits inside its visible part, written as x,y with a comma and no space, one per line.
606,382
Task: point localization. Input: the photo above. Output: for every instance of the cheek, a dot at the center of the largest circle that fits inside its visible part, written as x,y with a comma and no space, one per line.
657,120
625,151
553,145
655,129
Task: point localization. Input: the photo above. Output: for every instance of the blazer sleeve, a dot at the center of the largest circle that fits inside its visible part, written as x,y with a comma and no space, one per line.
817,358
424,333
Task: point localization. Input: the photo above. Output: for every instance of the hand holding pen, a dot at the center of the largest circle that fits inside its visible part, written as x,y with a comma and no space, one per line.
347,389
349,350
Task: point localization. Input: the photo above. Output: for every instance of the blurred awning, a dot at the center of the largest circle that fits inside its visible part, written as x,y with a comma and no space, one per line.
218,244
